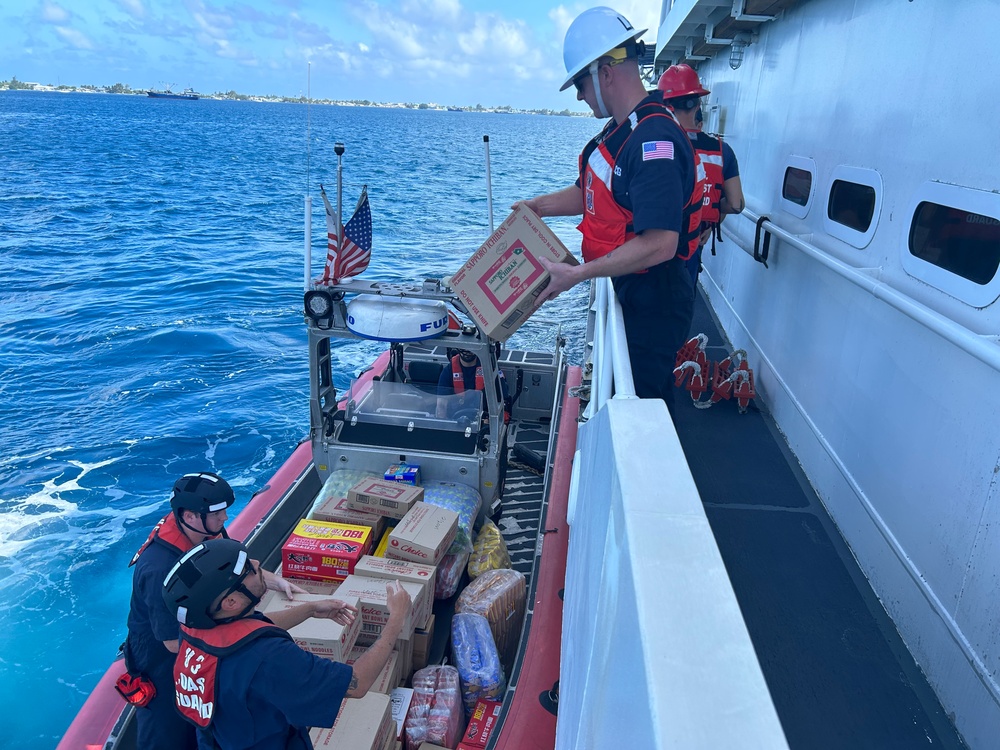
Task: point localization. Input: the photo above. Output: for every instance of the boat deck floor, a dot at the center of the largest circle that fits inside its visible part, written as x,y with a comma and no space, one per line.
838,671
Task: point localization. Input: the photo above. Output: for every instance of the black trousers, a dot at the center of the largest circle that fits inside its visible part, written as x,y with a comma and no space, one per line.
657,307
160,725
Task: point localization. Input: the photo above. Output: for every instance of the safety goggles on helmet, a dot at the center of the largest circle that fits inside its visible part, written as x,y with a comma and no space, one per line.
615,57
684,103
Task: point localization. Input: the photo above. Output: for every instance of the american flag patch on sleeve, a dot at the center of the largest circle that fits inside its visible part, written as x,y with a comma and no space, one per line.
657,150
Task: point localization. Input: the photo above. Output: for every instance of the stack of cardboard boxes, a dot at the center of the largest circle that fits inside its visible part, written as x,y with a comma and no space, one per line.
330,555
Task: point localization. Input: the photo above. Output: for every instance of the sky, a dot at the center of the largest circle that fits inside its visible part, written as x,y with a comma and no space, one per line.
450,52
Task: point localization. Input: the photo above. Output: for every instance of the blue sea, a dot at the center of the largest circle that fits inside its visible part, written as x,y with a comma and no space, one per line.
151,325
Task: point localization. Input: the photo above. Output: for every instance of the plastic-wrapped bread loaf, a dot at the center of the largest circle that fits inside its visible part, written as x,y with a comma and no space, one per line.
475,656
436,711
499,596
449,575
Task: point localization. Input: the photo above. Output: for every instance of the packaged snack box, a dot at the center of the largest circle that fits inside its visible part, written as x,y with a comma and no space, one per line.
405,473
317,635
322,551
383,498
501,281
423,535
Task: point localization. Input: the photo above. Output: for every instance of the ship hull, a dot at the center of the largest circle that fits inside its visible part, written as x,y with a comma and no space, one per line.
880,369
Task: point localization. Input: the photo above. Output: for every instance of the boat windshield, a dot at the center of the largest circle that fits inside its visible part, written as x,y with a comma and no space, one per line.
408,406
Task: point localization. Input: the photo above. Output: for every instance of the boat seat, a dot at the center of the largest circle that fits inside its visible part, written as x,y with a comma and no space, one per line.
424,374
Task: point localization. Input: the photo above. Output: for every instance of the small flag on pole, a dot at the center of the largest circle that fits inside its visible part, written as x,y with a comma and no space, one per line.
353,257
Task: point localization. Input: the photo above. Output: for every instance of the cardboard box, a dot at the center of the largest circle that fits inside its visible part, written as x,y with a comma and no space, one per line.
383,498
483,721
400,698
405,473
326,588
337,510
500,282
362,724
374,607
317,635
388,678
422,639
383,544
323,551
405,571
405,649
423,535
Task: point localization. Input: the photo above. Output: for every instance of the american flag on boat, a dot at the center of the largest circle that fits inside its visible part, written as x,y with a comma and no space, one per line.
353,257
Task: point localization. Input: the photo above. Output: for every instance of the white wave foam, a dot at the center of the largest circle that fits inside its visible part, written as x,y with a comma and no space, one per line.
25,517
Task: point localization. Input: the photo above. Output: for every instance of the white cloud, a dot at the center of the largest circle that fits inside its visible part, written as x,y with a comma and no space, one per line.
54,13
134,8
441,39
216,25
447,12
642,15
74,38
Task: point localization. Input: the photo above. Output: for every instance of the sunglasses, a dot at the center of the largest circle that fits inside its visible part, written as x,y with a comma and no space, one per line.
578,81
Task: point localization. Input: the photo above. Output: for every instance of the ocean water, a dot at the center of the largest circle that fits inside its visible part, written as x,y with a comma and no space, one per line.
150,323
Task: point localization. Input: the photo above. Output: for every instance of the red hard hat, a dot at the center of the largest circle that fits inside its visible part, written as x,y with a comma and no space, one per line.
680,80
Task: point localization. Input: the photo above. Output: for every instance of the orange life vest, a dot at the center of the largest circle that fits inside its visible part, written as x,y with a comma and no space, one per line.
458,379
606,225
709,153
170,535
197,663
167,533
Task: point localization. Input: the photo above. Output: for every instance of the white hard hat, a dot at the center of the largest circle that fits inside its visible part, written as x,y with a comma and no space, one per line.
592,35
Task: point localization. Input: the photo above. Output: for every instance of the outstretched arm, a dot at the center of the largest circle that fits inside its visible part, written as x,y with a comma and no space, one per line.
332,609
565,202
371,662
648,249
277,583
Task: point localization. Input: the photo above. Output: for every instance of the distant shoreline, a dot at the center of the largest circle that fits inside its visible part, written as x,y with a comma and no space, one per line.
233,96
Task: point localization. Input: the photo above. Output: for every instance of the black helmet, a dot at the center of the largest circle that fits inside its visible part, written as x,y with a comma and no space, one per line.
201,493
207,573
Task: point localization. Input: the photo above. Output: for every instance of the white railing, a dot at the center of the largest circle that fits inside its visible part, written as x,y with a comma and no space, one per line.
612,370
655,653
982,348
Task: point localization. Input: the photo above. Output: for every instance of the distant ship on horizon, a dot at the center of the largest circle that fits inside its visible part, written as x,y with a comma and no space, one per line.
188,93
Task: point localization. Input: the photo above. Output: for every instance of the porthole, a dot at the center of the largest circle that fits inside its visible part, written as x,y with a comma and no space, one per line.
953,242
853,205
797,185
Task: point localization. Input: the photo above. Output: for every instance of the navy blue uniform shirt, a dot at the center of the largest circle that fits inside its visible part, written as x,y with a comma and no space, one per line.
268,692
150,622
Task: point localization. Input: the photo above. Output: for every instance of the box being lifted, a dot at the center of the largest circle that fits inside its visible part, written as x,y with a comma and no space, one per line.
317,635
500,282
